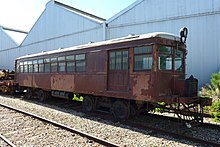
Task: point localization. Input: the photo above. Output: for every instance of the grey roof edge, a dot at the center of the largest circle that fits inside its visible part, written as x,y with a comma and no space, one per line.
9,37
124,11
79,11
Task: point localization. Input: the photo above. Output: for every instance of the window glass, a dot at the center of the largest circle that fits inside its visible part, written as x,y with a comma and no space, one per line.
53,67
80,57
35,62
25,62
165,50
30,62
26,68
165,58
53,59
125,60
30,68
143,58
143,50
61,58
62,67
47,67
70,66
21,63
41,67
35,67
118,60
112,60
143,62
165,62
80,65
21,68
40,61
178,60
47,60
69,58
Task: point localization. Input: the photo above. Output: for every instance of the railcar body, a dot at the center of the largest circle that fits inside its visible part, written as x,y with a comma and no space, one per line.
123,73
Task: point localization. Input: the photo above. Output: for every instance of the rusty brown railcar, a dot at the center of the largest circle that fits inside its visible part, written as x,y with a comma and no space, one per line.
125,75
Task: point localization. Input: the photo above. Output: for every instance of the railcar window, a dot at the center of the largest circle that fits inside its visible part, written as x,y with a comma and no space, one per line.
47,67
30,66
118,60
70,66
80,57
53,59
112,61
53,67
80,63
26,68
125,60
21,68
61,58
70,58
178,60
41,67
62,66
47,60
165,58
143,58
35,66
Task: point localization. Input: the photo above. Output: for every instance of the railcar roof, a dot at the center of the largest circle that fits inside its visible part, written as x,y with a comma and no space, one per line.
108,42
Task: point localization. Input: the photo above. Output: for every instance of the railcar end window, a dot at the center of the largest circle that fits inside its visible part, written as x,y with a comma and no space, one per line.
143,58
178,60
165,58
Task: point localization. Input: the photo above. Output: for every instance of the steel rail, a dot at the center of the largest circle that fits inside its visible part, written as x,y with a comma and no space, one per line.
7,141
83,134
175,135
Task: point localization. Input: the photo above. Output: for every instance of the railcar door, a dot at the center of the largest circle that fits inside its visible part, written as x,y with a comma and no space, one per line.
118,70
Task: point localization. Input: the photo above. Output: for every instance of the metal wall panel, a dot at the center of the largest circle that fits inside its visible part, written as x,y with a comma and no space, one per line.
57,21
6,41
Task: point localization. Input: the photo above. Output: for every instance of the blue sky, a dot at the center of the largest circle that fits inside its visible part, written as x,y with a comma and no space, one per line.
22,14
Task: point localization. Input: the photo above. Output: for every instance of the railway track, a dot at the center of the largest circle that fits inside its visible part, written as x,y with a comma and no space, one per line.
6,142
142,126
97,140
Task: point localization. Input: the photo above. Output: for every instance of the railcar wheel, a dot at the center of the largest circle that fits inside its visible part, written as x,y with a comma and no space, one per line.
28,94
88,104
41,95
120,110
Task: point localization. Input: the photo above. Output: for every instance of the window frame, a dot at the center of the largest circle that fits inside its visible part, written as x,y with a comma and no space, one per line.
150,54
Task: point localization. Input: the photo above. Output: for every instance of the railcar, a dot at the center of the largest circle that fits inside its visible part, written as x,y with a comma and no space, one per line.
125,75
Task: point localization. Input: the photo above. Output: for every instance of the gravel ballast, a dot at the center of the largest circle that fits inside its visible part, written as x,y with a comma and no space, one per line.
113,132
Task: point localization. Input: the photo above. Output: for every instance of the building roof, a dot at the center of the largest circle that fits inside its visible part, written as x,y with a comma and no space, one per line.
80,12
108,42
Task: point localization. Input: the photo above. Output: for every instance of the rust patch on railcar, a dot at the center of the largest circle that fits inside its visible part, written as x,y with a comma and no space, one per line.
62,82
141,87
41,81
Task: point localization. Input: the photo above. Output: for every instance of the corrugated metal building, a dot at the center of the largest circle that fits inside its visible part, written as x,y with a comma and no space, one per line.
6,42
201,17
61,26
